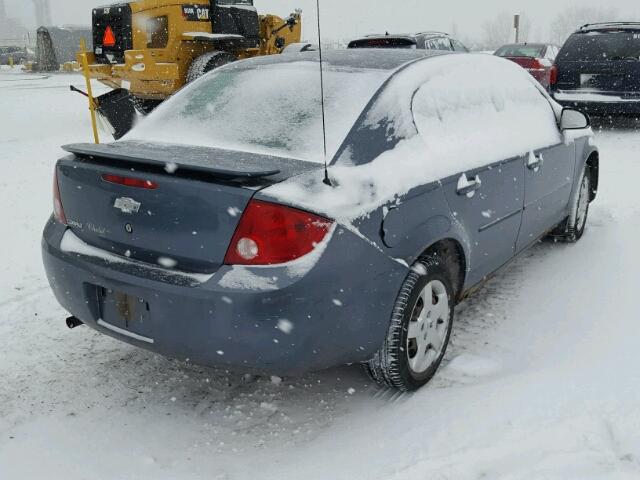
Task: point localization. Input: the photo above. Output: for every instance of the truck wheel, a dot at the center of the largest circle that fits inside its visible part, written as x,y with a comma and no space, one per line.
207,62
419,330
144,105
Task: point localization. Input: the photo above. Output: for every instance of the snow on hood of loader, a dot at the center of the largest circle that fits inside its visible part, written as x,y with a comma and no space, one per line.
270,107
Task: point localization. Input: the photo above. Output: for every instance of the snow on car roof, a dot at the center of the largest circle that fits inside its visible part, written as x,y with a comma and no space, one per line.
457,114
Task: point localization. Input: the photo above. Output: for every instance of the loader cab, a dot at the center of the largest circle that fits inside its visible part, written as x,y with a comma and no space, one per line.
236,17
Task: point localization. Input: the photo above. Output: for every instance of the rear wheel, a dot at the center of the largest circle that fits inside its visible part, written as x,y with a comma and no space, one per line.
573,228
208,62
420,328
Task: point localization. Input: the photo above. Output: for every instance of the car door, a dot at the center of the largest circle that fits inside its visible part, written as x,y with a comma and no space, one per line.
488,202
486,198
481,134
548,180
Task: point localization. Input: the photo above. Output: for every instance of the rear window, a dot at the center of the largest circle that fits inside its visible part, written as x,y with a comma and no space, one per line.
532,51
601,46
272,109
383,43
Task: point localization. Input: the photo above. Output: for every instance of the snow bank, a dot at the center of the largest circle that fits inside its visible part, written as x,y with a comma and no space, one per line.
469,111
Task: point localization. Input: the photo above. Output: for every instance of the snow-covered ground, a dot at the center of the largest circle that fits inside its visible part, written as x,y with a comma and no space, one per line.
541,381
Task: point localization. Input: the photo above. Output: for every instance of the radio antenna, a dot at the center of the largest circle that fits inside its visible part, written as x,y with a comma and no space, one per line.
327,180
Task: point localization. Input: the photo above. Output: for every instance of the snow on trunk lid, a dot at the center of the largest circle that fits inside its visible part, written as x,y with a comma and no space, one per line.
184,223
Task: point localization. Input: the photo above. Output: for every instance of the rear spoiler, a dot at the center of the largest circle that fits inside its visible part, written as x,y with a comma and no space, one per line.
217,163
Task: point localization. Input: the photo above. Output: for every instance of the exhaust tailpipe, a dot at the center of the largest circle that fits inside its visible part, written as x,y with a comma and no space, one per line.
73,322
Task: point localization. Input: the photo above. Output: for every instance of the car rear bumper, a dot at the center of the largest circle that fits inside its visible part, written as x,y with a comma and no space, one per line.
272,319
599,104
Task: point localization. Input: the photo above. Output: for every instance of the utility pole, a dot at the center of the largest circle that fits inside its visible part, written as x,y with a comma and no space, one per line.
516,25
3,11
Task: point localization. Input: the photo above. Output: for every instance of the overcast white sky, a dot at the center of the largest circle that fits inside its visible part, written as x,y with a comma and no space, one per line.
348,18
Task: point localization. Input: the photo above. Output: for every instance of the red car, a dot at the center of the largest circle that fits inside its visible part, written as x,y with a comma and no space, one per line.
536,58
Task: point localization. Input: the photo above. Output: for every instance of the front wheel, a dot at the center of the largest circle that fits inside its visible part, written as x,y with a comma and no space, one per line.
573,228
420,328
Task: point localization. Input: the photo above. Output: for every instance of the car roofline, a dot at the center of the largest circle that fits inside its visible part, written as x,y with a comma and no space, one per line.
409,36
540,44
402,35
594,27
434,32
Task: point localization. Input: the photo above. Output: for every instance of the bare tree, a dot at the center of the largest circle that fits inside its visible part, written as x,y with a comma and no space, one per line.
567,21
498,31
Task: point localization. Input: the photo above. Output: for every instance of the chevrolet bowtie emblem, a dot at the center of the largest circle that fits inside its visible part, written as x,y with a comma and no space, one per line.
127,205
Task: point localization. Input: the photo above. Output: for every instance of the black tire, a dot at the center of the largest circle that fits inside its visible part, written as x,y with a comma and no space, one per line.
391,366
572,229
144,105
208,62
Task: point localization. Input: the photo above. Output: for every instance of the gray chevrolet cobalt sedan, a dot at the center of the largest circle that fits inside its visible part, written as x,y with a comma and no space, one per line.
213,232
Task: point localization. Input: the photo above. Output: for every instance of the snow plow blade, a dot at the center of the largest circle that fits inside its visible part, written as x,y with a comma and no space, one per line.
117,107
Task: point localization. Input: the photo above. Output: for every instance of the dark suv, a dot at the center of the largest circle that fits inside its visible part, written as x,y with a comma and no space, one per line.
421,41
598,69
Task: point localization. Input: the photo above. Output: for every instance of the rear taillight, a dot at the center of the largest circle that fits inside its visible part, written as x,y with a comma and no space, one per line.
537,64
271,234
129,181
529,63
553,78
58,211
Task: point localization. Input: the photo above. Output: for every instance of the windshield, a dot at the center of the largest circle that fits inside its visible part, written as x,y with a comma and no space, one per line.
601,46
273,109
532,51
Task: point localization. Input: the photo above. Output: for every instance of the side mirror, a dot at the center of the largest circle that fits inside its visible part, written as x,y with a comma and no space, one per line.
573,120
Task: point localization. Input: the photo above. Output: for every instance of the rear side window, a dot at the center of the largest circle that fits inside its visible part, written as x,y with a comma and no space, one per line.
601,46
473,113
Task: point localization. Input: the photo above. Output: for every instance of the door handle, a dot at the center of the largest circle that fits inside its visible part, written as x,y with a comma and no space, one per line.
535,162
468,187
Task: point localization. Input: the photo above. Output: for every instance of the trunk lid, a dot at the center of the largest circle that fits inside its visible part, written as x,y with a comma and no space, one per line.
186,215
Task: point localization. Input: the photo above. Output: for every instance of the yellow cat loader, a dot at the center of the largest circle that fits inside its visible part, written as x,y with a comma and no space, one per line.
151,48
